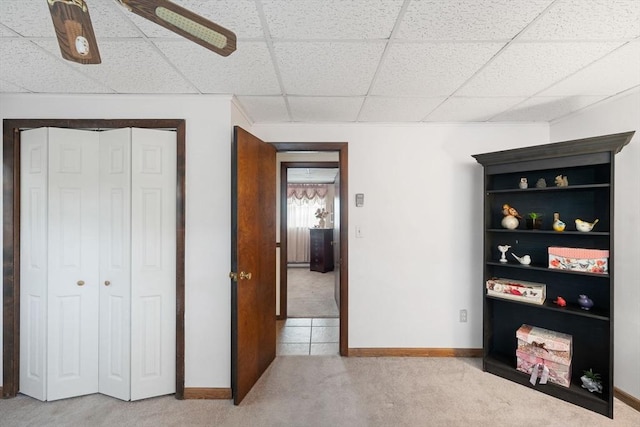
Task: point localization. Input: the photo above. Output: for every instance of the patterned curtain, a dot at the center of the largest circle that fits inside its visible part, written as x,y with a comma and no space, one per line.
302,202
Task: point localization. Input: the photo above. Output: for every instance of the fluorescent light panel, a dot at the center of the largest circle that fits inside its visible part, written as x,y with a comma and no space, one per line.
195,29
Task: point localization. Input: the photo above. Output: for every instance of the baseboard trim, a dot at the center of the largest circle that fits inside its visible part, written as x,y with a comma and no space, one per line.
207,393
415,352
625,397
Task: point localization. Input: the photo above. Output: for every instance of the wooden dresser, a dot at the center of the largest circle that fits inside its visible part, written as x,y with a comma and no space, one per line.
321,249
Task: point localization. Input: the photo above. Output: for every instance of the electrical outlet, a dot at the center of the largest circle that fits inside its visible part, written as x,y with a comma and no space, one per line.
463,316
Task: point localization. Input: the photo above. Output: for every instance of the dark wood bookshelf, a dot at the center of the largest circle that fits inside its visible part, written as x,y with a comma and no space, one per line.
589,165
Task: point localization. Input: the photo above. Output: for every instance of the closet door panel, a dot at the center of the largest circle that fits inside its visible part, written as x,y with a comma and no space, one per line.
153,302
73,263
115,263
33,265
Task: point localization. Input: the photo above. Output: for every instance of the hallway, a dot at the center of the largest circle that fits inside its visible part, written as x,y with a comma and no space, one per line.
308,336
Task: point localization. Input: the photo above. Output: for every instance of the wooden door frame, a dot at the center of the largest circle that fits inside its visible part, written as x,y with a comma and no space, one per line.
11,234
284,241
343,165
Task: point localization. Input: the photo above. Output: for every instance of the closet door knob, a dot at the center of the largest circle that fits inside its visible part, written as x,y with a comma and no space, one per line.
107,283
80,282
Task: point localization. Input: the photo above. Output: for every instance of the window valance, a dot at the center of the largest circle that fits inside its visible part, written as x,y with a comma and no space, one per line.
307,191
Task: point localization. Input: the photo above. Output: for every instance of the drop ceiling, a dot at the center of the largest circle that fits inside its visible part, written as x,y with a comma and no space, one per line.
311,175
350,60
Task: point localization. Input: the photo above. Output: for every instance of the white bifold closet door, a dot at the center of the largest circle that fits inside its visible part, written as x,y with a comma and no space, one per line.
97,263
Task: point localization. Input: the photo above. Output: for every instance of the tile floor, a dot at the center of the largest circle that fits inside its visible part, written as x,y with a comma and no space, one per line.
308,336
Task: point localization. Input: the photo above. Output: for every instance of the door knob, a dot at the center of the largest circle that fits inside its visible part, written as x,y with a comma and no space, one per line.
107,283
80,282
242,276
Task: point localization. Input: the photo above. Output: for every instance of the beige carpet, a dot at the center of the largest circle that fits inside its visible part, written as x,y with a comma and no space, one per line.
310,293
335,391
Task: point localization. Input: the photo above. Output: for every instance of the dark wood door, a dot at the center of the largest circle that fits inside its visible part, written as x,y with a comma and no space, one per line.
253,261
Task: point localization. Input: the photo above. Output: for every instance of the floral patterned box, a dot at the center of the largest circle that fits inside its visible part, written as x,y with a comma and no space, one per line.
543,347
558,373
518,290
578,259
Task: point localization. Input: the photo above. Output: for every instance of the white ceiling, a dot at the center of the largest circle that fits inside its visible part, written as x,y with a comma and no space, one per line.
311,175
350,60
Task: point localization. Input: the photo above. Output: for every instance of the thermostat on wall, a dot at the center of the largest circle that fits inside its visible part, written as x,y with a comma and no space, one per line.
359,200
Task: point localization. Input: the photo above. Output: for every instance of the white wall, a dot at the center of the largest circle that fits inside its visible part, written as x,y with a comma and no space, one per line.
208,151
619,115
419,261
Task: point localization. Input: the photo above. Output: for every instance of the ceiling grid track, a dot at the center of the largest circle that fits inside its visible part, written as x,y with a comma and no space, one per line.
272,54
493,58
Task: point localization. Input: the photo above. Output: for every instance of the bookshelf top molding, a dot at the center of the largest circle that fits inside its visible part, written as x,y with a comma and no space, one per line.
606,143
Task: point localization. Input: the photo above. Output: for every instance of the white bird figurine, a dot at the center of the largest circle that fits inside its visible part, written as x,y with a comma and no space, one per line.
524,260
584,225
510,210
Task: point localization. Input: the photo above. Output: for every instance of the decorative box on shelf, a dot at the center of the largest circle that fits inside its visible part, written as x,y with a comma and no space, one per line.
579,259
517,290
546,351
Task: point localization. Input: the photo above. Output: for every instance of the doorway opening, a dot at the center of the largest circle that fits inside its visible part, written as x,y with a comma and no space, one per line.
11,223
310,291
319,326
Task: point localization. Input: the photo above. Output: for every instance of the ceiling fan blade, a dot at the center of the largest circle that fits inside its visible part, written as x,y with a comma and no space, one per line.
74,31
186,23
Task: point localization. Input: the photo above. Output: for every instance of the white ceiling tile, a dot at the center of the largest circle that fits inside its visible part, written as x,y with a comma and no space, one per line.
32,19
327,68
616,72
331,19
524,69
458,109
430,69
6,87
109,20
132,66
6,32
544,109
27,18
239,16
330,109
26,65
468,20
389,109
263,109
247,71
587,20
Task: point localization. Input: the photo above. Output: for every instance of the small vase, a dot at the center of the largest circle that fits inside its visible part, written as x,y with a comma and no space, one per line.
321,223
534,224
510,222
